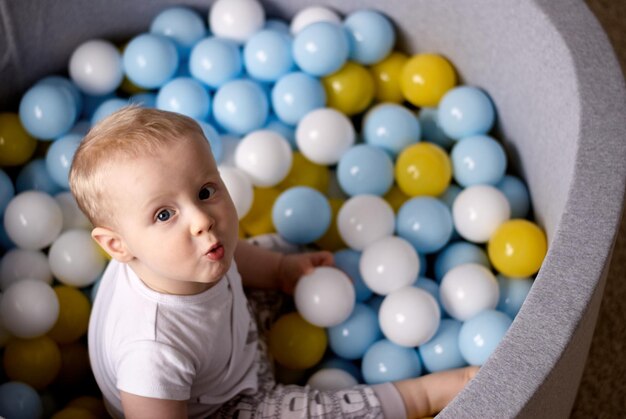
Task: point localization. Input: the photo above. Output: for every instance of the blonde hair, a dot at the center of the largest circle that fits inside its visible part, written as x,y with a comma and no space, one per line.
126,134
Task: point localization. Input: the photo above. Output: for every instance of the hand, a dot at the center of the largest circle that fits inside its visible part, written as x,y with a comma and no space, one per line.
293,266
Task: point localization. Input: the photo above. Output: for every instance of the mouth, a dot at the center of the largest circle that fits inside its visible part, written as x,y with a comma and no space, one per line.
215,252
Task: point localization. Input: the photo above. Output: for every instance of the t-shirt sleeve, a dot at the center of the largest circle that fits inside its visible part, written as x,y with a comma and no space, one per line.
153,369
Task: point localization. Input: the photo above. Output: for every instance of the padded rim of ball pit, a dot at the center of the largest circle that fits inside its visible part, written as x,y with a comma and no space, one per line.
560,98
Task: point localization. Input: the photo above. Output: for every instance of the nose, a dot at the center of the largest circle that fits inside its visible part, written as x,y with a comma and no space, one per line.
200,221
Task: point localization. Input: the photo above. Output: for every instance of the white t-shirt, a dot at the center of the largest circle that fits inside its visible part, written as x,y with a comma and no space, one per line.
199,348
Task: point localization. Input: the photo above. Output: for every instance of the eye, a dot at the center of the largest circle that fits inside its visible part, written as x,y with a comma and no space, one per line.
206,192
164,215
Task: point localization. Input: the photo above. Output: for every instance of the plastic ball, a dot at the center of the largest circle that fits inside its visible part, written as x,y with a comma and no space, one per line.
286,130
331,379
442,351
478,160
296,94
423,169
331,240
34,176
59,158
301,215
215,61
150,60
388,264
466,111
387,77
426,78
478,211
258,220
517,194
308,15
513,292
107,108
16,144
517,248
468,289
29,308
186,96
47,111
214,139
395,197
365,169
36,361
96,67
350,89
75,258
348,261
431,131
306,173
145,100
267,55
239,188
241,106
351,338
480,335
33,220
409,316
279,25
19,264
7,191
66,85
19,400
73,413
426,223
73,217
431,287
459,253
385,361
321,48
295,343
183,25
372,36
236,19
73,315
450,195
323,135
391,127
265,157
365,219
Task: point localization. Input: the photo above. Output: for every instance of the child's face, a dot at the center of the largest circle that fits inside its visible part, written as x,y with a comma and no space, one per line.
175,218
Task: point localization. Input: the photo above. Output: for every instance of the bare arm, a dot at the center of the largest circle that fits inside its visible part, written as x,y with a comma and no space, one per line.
138,407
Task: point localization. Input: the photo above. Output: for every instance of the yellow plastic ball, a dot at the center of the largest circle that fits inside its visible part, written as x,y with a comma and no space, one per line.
36,362
426,78
350,90
304,172
74,310
423,169
92,404
517,248
74,413
387,77
16,145
395,197
331,240
258,220
295,343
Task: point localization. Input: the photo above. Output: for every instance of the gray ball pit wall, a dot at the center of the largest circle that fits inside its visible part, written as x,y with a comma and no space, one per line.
561,107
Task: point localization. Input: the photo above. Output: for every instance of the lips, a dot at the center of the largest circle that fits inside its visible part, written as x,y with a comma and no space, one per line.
216,252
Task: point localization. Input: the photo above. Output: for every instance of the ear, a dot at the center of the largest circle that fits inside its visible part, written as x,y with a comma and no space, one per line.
112,243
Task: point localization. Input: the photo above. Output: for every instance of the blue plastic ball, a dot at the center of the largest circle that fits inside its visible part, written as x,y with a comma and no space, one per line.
348,261
35,176
7,191
68,85
215,61
375,301
352,338
385,361
517,194
91,104
214,139
267,55
295,95
181,24
478,160
391,127
442,351
145,100
278,25
19,400
47,111
287,131
513,292
450,194
59,158
301,214
465,111
431,131
431,287
240,106
459,253
480,335
186,96
107,108
150,60
321,48
365,169
426,223
372,36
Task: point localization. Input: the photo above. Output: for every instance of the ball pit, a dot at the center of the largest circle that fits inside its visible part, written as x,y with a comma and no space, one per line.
566,180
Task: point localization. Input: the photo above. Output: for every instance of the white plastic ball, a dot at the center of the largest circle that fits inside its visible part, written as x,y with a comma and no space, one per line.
29,308
20,264
75,258
324,134
73,217
33,220
96,67
236,19
331,379
364,219
325,297
310,15
389,264
468,289
265,156
478,211
239,187
409,316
